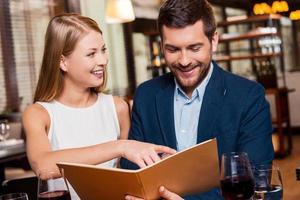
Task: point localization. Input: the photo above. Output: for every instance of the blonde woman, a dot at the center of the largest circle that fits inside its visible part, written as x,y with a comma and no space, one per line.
71,119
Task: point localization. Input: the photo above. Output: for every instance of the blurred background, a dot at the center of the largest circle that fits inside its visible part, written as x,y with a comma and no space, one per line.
259,40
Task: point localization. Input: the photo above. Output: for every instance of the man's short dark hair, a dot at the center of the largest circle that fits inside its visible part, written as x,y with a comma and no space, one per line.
181,13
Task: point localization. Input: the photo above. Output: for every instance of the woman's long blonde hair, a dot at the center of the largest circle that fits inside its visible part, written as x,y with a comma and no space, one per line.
63,32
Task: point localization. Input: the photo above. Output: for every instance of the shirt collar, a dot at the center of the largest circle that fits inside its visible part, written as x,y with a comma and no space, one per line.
199,90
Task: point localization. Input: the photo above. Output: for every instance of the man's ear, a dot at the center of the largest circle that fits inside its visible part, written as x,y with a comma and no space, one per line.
162,46
63,63
215,41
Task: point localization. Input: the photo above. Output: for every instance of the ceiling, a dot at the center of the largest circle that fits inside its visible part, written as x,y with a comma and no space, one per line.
248,4
242,4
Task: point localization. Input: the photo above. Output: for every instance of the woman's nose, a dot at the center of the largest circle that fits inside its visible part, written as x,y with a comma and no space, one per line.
102,59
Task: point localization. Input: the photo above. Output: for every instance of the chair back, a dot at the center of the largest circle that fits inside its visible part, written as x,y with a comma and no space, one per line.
28,185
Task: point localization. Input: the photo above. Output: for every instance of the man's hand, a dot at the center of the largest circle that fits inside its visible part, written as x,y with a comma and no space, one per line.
164,193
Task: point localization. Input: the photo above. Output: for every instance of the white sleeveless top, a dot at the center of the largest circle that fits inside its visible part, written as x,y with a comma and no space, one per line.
80,127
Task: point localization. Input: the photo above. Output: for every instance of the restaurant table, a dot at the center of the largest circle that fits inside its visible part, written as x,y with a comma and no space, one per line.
10,153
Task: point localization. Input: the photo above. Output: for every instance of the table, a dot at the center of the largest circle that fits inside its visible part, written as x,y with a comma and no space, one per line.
8,154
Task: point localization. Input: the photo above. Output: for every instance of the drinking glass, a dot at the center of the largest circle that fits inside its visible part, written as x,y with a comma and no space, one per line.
237,181
268,183
4,130
14,196
52,186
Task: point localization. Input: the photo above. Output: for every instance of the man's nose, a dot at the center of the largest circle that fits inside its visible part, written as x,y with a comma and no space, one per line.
184,59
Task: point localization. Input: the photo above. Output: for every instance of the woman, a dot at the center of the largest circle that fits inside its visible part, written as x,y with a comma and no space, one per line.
71,120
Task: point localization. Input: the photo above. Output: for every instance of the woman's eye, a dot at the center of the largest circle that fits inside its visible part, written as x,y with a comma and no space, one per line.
104,49
91,54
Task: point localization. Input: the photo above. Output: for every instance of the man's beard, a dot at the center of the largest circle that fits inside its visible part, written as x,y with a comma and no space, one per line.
185,83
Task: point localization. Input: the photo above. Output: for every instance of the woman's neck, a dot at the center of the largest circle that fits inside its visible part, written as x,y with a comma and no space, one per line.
78,98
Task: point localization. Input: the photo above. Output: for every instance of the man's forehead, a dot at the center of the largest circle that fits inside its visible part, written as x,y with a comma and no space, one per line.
190,34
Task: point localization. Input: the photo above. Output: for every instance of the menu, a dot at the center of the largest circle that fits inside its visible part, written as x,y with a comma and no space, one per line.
191,171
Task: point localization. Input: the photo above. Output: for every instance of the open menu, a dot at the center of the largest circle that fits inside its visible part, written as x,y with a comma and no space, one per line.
191,171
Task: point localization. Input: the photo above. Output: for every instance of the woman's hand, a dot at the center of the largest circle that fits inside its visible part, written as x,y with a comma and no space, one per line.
143,154
164,193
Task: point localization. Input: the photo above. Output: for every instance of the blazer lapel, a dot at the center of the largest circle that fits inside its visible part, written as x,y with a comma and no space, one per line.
211,105
165,112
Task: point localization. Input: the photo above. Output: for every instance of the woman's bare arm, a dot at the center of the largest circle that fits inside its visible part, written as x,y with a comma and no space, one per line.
36,122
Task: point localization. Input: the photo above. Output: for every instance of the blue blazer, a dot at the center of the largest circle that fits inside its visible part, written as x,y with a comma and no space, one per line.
234,110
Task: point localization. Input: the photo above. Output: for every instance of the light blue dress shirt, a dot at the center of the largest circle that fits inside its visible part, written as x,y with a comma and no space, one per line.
187,113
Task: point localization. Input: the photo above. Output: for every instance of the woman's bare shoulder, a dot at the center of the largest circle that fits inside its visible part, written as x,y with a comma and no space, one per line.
121,104
37,112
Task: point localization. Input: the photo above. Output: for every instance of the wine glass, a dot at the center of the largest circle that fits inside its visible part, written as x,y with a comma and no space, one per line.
4,129
52,186
14,196
268,183
237,181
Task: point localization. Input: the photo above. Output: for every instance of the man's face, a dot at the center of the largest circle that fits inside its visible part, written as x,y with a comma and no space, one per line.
188,53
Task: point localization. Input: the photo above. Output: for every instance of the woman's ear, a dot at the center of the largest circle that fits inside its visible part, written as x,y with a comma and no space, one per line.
63,63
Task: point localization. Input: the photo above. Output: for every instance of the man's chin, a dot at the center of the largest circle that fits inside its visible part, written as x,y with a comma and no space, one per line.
186,83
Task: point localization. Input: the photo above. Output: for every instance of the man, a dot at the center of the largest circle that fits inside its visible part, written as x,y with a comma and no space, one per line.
198,100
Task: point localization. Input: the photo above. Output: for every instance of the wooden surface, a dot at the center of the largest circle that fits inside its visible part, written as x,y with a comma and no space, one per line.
291,187
281,120
245,57
257,18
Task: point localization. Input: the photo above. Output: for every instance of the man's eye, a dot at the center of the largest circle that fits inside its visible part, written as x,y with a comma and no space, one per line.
104,49
172,50
195,49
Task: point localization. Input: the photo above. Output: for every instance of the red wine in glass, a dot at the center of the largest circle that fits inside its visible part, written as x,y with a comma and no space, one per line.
237,181
55,195
52,186
237,188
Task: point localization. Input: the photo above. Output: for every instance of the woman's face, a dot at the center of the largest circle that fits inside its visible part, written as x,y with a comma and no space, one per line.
85,66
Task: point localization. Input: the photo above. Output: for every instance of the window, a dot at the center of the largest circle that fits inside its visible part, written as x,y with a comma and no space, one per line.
2,83
28,21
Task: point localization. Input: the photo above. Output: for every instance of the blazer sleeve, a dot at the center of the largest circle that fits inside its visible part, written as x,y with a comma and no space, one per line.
255,136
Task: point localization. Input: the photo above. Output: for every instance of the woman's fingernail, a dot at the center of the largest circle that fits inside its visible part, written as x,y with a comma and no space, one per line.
161,188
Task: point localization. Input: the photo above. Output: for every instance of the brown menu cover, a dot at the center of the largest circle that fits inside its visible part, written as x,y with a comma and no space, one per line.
193,170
